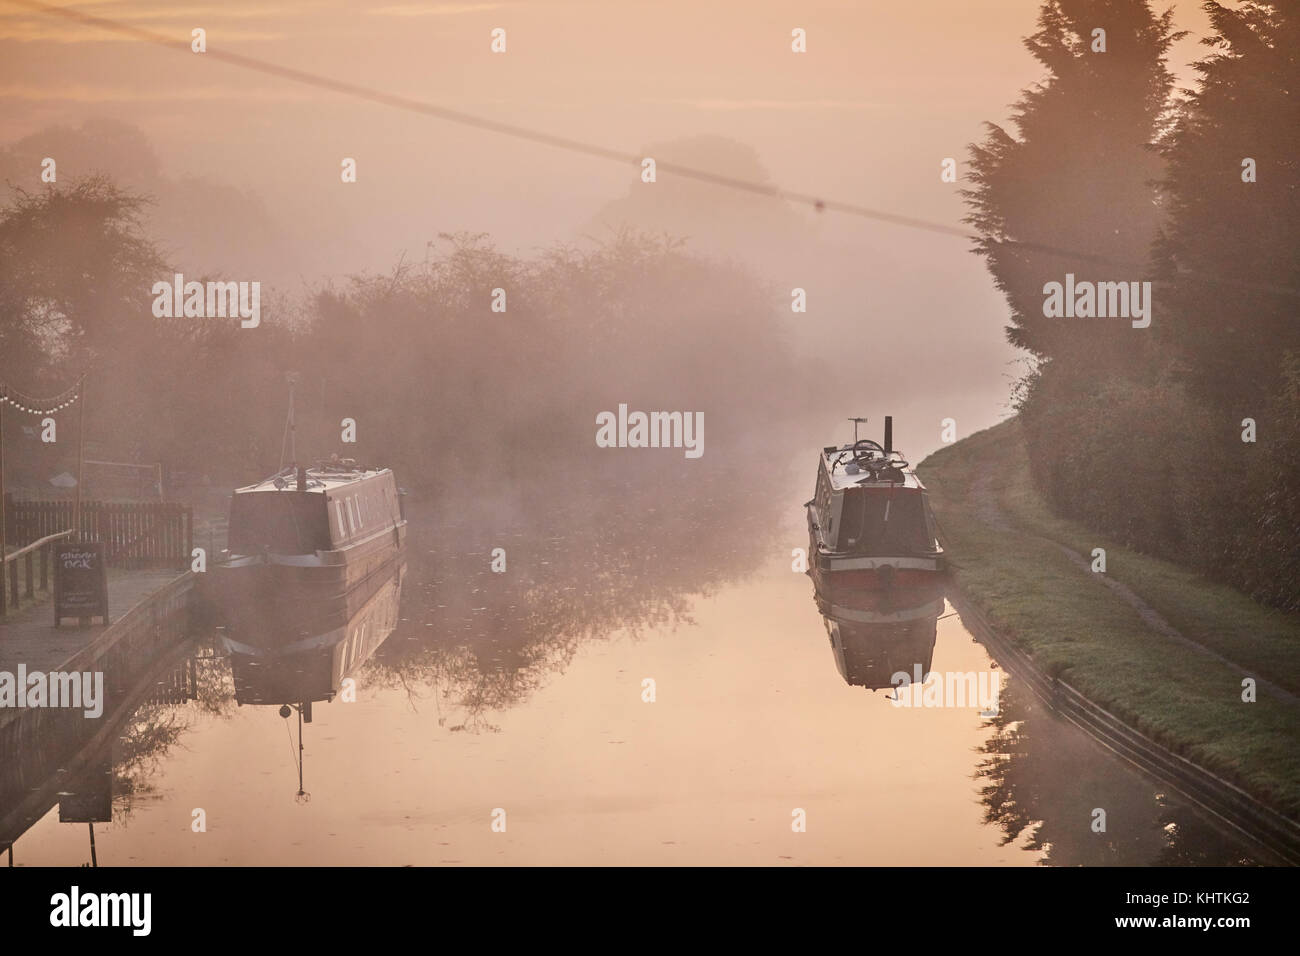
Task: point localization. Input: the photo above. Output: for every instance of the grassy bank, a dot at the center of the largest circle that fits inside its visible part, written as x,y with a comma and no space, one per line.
1007,558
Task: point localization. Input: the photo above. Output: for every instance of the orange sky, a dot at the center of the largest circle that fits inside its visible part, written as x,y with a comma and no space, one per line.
884,93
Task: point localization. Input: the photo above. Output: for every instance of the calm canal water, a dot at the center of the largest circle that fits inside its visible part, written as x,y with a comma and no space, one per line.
523,691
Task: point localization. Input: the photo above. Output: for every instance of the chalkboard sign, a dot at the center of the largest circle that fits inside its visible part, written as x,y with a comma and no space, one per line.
80,582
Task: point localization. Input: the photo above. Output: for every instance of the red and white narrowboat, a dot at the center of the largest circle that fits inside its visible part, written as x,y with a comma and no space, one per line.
869,523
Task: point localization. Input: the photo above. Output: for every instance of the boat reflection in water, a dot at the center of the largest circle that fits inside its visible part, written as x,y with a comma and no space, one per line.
878,633
311,661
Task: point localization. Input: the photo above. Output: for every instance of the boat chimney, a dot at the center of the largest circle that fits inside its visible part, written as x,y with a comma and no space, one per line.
889,434
302,478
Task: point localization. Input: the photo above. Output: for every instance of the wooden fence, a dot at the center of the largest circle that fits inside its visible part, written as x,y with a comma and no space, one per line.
153,534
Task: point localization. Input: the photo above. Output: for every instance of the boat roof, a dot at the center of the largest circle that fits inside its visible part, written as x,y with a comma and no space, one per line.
318,479
840,479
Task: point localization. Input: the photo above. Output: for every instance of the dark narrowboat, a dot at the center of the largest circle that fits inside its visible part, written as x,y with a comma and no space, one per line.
869,523
307,542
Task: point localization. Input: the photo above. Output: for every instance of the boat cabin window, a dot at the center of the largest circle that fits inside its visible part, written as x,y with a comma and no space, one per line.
822,496
874,522
931,526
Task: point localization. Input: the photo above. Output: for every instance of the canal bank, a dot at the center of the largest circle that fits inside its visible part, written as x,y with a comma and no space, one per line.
1157,649
151,614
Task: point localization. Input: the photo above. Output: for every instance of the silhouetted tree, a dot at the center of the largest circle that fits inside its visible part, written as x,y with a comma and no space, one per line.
1224,343
75,273
1078,176
1232,334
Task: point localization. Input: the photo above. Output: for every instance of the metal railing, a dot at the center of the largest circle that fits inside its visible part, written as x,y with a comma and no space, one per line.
42,547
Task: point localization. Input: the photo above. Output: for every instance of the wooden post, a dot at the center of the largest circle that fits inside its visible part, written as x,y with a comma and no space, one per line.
81,457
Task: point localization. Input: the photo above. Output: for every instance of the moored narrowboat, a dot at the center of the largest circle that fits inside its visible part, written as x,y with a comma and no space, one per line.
869,522
303,541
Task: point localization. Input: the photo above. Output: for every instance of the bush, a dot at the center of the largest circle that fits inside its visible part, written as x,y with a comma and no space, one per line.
1163,474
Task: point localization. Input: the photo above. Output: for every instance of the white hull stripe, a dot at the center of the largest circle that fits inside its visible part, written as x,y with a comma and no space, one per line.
853,615
305,644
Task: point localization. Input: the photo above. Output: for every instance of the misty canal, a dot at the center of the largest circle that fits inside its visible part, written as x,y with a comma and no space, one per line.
503,717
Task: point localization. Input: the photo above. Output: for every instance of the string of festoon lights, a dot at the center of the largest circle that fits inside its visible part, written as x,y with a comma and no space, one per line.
39,406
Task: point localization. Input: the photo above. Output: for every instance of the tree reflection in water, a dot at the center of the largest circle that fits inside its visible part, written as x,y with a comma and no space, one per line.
199,687
587,556
1043,778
